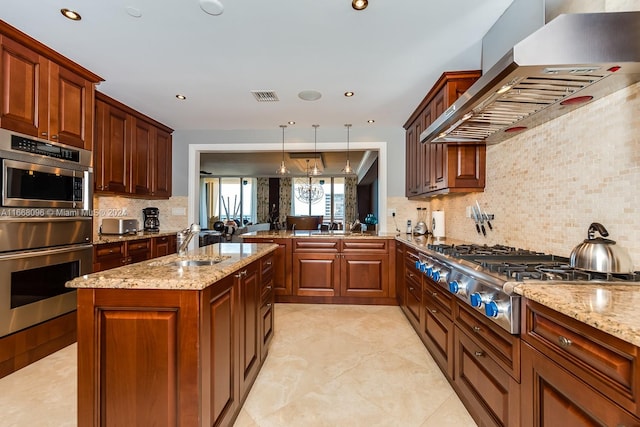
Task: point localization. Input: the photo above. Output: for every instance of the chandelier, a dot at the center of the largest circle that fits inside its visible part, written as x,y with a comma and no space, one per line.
308,191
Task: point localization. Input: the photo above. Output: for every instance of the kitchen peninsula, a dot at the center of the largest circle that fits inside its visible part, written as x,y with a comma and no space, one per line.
178,340
338,267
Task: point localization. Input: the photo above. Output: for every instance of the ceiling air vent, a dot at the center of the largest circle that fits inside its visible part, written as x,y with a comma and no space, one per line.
265,95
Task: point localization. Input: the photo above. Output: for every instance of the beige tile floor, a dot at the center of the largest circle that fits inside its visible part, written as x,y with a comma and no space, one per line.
328,366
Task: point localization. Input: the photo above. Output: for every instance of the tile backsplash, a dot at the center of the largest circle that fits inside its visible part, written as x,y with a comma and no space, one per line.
173,212
547,185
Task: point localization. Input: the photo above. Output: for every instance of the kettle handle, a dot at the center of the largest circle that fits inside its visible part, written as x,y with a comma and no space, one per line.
596,226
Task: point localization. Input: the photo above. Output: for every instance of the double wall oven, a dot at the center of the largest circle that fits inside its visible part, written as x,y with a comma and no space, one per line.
45,228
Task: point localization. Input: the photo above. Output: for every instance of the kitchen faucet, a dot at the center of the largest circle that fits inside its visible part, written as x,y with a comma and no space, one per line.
185,236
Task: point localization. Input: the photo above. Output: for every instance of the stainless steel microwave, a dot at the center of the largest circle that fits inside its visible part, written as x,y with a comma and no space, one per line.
41,174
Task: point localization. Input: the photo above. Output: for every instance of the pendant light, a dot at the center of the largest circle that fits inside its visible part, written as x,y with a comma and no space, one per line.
348,170
282,170
315,171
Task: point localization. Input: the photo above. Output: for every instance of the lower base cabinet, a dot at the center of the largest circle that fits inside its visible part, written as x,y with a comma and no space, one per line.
169,357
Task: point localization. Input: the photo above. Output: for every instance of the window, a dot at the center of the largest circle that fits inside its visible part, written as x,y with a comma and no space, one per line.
319,196
227,199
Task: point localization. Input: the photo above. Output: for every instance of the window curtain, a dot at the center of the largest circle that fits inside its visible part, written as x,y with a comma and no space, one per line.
209,195
350,199
286,184
263,199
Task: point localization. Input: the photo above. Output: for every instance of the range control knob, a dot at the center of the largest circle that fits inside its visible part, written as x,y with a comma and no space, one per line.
494,309
454,287
418,265
476,300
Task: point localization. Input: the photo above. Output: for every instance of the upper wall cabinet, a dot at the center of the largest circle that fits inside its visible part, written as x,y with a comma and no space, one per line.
434,169
42,93
132,155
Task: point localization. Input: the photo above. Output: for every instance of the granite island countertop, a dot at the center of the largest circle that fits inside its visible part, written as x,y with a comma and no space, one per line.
611,307
332,234
164,273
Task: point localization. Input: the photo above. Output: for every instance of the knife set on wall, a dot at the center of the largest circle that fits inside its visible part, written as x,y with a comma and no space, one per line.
480,216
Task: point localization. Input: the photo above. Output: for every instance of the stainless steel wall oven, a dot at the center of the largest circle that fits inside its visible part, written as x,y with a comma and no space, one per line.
46,228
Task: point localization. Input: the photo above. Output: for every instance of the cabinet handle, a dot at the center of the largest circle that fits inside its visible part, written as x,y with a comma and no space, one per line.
268,263
564,342
411,275
410,288
54,136
239,275
434,294
44,134
433,310
478,353
476,329
269,305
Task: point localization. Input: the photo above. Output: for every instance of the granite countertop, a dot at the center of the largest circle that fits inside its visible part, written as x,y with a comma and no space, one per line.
608,306
112,238
335,234
164,273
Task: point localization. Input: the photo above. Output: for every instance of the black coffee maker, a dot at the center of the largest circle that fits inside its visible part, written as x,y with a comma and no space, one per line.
151,219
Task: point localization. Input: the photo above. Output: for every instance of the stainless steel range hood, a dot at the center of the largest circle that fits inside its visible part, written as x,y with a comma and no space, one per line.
574,59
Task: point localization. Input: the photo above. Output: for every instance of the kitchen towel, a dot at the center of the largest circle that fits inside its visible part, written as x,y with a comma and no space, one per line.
437,224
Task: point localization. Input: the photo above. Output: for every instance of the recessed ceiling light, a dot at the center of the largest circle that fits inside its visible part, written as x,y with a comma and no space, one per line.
310,95
212,7
181,97
291,122
133,12
359,4
71,14
349,94
371,121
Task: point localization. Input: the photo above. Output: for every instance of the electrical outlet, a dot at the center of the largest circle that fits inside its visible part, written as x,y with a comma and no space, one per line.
469,211
391,212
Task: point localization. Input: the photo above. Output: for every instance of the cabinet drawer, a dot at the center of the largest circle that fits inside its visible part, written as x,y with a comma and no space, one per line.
441,299
139,245
316,245
367,245
503,347
267,266
606,363
109,250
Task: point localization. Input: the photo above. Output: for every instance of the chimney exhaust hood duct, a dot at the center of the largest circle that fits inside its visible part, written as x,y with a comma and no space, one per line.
574,59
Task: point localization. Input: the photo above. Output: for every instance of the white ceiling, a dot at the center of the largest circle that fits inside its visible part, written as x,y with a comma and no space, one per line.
389,54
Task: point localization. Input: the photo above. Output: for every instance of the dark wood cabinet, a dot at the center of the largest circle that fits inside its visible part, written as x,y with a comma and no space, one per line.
267,300
44,94
343,268
437,324
433,169
117,254
163,245
282,273
576,373
169,357
133,152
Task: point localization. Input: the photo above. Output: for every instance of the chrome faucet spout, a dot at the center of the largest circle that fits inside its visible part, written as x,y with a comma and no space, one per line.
185,236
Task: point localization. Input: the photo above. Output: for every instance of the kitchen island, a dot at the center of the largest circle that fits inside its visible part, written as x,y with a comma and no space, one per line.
177,340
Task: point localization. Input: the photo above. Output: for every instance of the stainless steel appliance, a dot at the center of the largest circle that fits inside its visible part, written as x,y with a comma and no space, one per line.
151,219
41,178
477,275
38,258
119,226
574,59
46,228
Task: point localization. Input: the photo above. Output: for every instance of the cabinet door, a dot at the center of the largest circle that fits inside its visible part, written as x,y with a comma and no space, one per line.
250,339
425,154
160,246
281,264
412,298
492,394
412,182
399,277
221,392
550,394
108,255
438,163
111,153
466,166
23,87
364,275
161,165
70,108
143,134
138,250
316,274
437,328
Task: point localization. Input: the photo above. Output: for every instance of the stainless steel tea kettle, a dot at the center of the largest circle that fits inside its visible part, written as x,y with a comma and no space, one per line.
601,255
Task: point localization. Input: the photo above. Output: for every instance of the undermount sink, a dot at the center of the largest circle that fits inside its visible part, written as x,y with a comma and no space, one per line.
197,262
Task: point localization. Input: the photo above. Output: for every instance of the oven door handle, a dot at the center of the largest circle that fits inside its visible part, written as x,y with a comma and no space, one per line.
45,251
